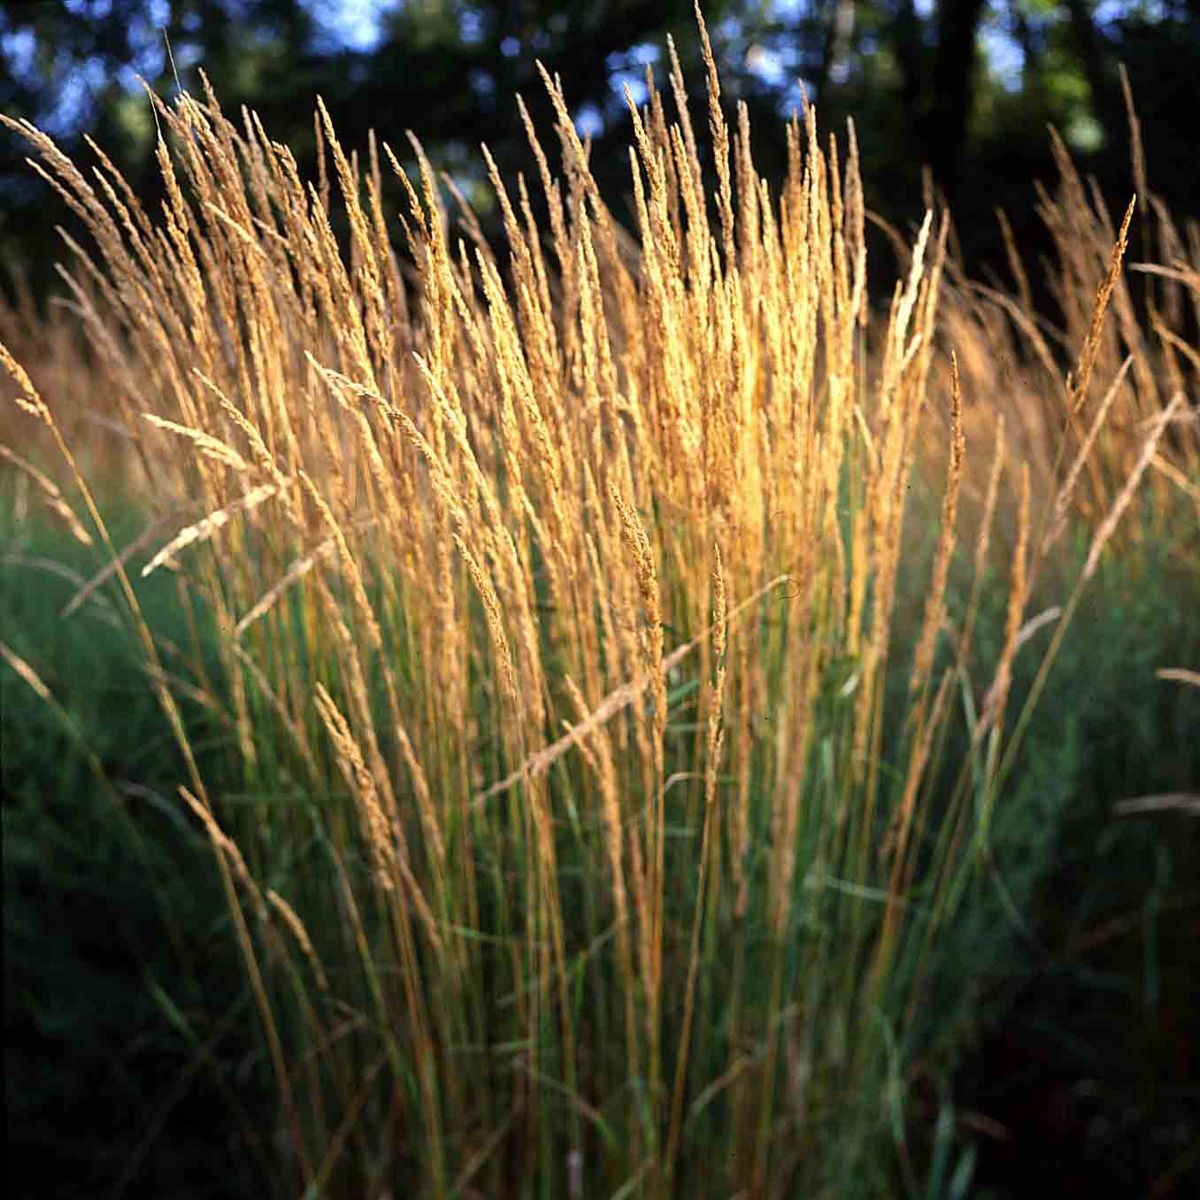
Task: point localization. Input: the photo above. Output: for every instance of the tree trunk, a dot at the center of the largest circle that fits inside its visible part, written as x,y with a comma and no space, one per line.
1105,106
906,44
953,90
1031,59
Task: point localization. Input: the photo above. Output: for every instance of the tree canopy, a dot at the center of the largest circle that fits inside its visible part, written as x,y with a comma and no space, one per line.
962,87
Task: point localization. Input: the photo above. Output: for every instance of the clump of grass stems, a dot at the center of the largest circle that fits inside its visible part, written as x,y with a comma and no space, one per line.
582,848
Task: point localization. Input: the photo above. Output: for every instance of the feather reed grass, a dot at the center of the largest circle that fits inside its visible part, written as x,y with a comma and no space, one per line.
573,612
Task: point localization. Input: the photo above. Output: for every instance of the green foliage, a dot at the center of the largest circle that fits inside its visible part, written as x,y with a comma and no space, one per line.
124,1012
1066,980
132,1055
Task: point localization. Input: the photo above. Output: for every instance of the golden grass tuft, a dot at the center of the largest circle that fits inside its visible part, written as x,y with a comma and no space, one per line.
589,558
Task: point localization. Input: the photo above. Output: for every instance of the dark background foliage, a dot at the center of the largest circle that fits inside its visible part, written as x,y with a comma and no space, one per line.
963,87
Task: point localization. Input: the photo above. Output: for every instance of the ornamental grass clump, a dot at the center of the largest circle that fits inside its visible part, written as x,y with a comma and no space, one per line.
580,844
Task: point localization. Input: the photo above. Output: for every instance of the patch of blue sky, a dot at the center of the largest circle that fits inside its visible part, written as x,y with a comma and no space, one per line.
589,121
470,25
627,69
1005,59
355,24
1108,11
482,84
95,10
19,48
75,96
769,64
